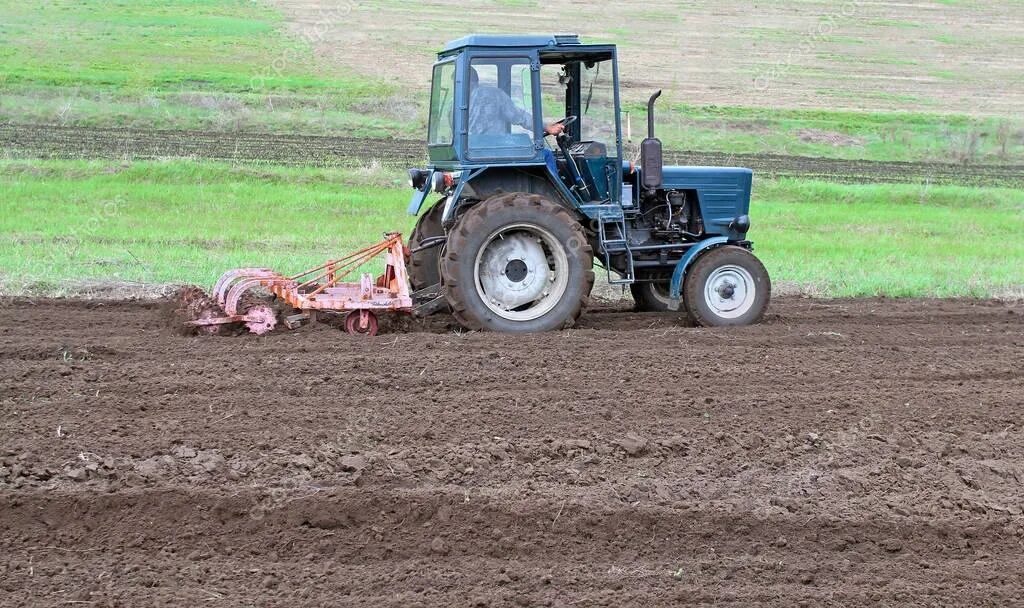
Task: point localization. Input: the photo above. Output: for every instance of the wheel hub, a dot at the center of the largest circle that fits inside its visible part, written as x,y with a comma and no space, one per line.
522,272
514,270
729,291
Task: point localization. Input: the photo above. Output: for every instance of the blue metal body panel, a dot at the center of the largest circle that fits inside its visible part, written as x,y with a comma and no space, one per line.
595,169
723,192
453,201
676,286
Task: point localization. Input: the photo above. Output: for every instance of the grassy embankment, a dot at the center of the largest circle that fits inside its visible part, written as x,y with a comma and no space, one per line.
230,64
68,222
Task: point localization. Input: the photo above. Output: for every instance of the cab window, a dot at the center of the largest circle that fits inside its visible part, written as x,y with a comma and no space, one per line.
441,128
500,121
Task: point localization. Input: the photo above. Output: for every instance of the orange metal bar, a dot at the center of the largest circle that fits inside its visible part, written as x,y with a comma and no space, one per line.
342,267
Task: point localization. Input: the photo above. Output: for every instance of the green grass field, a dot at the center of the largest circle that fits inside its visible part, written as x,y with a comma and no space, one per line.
71,224
231,65
877,136
218,65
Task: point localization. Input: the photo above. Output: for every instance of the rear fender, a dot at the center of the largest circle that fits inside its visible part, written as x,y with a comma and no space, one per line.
481,184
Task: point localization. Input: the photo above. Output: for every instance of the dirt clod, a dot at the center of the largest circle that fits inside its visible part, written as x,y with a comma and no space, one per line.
892,545
354,463
439,546
632,443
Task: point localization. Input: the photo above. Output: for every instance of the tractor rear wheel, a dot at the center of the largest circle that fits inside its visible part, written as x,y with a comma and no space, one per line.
727,286
423,265
517,263
651,294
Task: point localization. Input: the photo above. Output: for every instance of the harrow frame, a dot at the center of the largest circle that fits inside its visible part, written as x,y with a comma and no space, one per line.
321,288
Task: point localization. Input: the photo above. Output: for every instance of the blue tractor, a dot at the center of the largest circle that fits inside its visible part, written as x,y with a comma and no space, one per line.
527,203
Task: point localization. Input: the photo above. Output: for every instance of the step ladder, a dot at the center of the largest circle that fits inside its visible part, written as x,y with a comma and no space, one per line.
613,244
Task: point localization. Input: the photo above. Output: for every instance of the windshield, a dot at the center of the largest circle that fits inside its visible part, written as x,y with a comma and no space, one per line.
442,105
597,120
597,102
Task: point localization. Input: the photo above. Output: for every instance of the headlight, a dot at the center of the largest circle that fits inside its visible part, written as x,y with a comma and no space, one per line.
417,178
741,224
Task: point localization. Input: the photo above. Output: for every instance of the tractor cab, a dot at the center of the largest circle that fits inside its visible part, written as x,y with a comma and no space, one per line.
492,98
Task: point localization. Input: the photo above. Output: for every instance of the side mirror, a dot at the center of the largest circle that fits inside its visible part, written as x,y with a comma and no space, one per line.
651,158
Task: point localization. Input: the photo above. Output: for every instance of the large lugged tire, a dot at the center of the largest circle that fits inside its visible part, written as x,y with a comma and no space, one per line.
517,263
727,286
651,295
423,265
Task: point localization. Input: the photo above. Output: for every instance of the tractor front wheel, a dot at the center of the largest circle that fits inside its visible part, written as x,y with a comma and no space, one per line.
517,263
726,286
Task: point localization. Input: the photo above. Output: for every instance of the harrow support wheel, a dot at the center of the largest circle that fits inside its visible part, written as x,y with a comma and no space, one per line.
210,330
260,319
361,323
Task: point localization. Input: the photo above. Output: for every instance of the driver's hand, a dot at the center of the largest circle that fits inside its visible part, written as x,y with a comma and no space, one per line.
555,128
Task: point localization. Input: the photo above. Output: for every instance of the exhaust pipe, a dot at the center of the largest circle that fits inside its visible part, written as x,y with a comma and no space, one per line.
651,153
650,114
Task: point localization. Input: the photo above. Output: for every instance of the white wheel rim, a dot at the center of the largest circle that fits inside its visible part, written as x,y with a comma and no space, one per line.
660,292
730,291
521,272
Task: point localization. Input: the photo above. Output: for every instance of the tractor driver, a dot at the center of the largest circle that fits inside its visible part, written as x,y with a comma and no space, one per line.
491,108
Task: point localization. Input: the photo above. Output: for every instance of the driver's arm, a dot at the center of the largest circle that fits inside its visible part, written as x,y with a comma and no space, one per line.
517,116
524,119
514,114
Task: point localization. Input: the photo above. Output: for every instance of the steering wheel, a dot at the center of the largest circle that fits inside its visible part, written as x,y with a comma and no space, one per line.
563,140
563,137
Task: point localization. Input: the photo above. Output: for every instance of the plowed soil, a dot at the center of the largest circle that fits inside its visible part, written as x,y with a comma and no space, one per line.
841,453
50,141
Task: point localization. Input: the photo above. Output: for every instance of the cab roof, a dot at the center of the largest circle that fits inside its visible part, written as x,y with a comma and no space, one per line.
555,48
513,41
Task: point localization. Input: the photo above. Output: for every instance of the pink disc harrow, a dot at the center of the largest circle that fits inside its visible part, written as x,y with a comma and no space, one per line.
319,289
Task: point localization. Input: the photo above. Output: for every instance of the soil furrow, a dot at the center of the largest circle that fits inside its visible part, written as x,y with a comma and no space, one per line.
50,141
